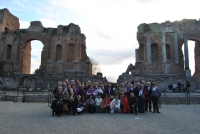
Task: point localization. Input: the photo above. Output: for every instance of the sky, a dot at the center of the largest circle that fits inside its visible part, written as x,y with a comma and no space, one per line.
110,26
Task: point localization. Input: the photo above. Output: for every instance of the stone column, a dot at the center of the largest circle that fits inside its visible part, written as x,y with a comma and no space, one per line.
187,69
163,48
176,54
148,49
136,55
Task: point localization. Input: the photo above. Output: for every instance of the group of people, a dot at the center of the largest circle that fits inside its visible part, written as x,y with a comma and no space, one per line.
179,87
78,97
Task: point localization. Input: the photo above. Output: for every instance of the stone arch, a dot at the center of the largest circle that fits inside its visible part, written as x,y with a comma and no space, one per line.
21,81
8,52
70,52
24,42
154,52
58,52
141,52
83,53
168,52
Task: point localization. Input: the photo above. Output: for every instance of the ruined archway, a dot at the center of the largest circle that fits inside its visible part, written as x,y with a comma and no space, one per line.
58,52
193,54
63,47
83,53
154,52
25,53
8,52
32,57
70,52
141,52
36,51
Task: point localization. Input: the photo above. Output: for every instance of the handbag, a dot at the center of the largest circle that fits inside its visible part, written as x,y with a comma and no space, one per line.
64,108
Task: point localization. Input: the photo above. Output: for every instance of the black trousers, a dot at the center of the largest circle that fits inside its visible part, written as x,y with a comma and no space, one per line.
121,107
134,108
69,105
106,109
90,108
155,104
148,105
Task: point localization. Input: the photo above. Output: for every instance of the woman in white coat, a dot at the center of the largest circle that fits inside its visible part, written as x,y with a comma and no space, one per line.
115,104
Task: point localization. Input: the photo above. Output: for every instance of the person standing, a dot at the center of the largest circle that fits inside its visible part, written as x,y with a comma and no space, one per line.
179,86
148,102
154,96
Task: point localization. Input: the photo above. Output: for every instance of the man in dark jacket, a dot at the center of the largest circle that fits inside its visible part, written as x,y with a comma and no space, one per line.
136,90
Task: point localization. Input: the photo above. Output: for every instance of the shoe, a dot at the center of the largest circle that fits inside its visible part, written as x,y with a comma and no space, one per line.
158,112
135,113
153,112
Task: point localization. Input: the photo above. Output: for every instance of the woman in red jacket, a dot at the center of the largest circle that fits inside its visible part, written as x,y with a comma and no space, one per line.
106,104
125,108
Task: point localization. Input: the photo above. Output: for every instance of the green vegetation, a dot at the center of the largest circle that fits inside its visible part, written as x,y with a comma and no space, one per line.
146,28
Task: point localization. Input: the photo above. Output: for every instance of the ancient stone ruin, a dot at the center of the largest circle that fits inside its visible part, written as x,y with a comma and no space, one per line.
63,53
160,57
64,47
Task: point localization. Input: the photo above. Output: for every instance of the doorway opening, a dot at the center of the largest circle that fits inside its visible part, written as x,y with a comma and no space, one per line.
191,53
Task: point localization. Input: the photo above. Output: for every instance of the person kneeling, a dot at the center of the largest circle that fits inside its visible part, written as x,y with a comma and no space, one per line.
98,103
78,105
133,103
106,104
124,104
90,104
115,104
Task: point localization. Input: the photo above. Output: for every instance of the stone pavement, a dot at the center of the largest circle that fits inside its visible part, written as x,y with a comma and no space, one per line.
35,118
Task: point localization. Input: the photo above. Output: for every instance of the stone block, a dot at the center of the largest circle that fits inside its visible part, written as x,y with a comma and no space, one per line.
35,26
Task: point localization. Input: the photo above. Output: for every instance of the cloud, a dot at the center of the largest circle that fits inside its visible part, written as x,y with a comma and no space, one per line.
145,1
54,2
103,35
49,15
19,3
48,23
112,57
38,10
24,24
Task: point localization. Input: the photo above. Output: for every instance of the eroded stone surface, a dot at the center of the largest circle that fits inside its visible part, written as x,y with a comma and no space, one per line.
160,51
61,46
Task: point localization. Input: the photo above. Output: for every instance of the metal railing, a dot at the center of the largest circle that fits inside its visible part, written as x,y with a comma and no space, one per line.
50,98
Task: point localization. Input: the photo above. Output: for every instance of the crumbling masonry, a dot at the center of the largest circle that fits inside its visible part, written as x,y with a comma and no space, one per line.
64,47
160,52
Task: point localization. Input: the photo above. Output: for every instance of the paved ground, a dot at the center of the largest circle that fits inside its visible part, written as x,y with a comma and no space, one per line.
35,118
